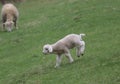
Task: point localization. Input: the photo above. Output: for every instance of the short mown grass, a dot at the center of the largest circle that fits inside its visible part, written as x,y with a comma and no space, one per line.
46,21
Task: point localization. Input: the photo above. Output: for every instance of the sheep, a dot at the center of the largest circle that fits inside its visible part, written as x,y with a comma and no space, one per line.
64,45
9,15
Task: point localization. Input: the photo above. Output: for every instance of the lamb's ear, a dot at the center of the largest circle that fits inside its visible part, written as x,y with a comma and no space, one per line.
50,49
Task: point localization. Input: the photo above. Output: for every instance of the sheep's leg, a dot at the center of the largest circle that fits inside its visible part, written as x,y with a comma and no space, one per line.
58,61
9,29
15,22
3,28
68,55
3,21
78,51
16,25
82,48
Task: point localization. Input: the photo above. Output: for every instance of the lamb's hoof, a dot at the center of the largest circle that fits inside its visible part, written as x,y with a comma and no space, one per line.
56,66
17,28
82,54
71,61
9,30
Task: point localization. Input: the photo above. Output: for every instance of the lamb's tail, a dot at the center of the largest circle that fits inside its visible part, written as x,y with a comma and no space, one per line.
81,35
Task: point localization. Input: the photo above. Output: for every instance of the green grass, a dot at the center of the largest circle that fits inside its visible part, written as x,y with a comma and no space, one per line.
46,21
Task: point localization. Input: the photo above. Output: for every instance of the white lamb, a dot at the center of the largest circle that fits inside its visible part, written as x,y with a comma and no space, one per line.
9,15
64,45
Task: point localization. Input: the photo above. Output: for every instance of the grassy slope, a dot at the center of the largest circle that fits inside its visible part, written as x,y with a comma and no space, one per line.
44,21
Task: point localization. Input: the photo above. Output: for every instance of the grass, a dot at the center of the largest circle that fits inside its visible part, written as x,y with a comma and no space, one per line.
46,21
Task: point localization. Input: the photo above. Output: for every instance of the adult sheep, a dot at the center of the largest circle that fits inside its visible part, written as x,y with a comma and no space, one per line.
9,16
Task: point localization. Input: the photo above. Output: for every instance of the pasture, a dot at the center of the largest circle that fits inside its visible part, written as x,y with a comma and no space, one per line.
46,21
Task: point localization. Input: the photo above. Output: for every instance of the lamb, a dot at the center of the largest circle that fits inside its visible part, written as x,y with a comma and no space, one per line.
64,45
9,15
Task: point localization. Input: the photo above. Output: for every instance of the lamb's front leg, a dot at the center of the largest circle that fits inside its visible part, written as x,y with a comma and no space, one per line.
78,52
58,61
80,49
68,55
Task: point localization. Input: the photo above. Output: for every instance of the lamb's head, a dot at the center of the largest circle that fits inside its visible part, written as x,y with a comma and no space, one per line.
8,25
47,49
